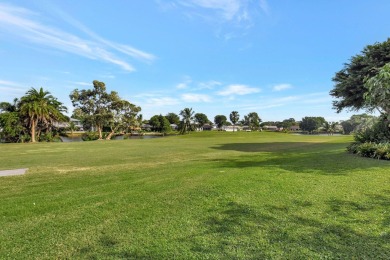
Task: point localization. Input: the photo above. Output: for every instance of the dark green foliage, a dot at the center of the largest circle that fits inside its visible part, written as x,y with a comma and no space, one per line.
11,127
252,120
201,119
220,120
371,150
173,118
378,133
90,136
311,124
349,89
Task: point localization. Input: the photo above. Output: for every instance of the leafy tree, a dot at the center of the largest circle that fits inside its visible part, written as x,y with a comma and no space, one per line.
234,117
330,127
378,91
358,122
201,119
124,116
220,120
155,123
173,118
187,116
252,120
350,89
11,127
99,108
311,124
39,106
287,123
165,125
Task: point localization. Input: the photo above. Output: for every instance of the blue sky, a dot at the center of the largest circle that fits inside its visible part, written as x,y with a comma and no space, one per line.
273,57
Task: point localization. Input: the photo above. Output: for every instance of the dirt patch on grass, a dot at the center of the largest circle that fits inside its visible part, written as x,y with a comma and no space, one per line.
13,172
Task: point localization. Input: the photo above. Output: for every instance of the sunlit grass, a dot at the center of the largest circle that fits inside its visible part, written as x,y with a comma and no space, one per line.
203,195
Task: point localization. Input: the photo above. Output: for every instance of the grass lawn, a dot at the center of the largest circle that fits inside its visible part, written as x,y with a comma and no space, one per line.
201,196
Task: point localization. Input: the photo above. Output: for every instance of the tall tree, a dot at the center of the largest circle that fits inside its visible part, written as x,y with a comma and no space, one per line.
311,124
40,106
124,116
201,119
100,108
234,117
350,88
220,120
378,91
173,118
187,117
252,120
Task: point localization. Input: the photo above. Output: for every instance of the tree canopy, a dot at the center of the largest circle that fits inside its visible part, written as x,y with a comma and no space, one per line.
201,119
252,120
100,108
220,120
311,124
350,89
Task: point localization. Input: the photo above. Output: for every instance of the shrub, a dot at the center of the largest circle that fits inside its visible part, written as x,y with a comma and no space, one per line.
90,136
371,150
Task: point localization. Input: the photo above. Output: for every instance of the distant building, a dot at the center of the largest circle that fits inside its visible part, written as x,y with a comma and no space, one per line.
294,128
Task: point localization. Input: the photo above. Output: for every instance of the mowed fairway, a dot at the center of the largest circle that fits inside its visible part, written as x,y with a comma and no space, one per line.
201,196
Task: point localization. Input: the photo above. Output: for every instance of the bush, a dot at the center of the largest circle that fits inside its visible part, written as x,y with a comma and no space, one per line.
90,136
371,150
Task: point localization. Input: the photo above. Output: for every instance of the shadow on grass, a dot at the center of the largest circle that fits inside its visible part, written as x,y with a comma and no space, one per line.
299,157
242,231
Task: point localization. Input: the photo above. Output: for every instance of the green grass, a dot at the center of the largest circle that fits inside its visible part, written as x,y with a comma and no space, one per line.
200,196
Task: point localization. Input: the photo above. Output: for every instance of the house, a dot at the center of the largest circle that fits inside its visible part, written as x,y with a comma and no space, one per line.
207,127
271,127
174,127
146,127
294,128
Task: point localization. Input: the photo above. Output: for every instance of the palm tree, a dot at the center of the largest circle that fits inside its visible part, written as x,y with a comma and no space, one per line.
234,117
40,107
187,116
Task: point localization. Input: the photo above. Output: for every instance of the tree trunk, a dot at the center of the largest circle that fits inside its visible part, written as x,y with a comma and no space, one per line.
99,132
110,135
33,131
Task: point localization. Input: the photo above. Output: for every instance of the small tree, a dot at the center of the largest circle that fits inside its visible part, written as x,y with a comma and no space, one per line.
234,117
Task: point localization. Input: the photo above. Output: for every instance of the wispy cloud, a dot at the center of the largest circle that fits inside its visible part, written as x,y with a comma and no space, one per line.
191,97
208,85
281,87
24,23
82,83
238,14
11,88
233,90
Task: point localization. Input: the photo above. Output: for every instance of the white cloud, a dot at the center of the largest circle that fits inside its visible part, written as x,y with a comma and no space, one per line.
191,97
228,8
182,86
208,85
24,23
82,83
238,90
281,87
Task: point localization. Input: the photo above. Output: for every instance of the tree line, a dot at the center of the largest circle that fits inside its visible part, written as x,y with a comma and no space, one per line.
35,117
